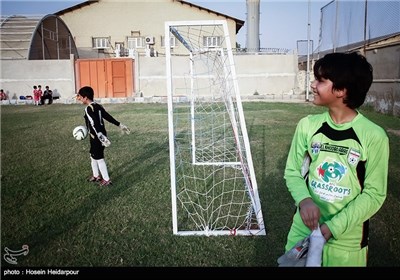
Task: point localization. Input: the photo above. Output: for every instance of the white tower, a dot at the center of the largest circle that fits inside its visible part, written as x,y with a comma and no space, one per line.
253,26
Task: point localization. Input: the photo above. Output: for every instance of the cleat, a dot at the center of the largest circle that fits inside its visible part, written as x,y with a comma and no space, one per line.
94,179
105,183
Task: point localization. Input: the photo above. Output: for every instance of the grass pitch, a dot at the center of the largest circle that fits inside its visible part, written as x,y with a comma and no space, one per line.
47,204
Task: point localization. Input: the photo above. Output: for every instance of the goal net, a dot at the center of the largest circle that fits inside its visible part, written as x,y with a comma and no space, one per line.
213,184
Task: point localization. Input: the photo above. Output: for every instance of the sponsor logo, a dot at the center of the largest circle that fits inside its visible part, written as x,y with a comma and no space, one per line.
328,191
329,171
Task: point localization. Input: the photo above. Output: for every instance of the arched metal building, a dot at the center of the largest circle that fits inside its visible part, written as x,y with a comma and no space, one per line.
35,38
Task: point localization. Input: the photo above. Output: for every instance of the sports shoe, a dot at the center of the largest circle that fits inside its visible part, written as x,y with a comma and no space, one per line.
105,183
94,179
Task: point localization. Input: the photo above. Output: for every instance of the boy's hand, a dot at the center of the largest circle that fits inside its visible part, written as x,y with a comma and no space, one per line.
124,129
309,213
326,232
103,139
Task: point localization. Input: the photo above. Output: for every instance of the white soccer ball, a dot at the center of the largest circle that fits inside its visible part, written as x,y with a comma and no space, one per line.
80,132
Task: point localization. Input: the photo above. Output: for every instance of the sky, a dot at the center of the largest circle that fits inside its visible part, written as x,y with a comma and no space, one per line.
282,22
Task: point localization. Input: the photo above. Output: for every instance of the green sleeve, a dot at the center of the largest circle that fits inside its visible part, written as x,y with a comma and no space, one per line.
370,200
298,149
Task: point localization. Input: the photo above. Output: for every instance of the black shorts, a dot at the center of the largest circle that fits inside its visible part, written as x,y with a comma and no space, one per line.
96,148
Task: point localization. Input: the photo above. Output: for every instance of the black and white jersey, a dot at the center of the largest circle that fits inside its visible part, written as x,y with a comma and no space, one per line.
95,114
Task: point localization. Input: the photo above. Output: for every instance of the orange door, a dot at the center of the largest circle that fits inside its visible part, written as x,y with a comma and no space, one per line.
108,77
118,78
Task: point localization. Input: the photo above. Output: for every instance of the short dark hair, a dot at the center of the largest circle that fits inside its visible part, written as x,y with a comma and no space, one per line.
86,92
350,71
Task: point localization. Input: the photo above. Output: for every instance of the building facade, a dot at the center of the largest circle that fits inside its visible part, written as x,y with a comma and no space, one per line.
130,27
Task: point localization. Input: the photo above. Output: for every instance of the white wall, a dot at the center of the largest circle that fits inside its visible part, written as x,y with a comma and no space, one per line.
19,76
268,75
271,76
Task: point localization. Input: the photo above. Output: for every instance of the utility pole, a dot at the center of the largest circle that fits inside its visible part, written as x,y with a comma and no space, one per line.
308,53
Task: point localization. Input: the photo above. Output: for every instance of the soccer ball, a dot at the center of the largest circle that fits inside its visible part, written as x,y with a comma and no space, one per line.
80,132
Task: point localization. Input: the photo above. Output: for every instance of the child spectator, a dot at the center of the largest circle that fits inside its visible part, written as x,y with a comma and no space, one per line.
37,94
3,95
40,92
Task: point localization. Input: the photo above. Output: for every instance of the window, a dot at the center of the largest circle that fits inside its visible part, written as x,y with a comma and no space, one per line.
101,42
48,34
64,42
119,46
172,42
135,42
212,41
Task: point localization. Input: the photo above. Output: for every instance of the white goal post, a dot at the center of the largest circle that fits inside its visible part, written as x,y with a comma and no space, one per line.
213,184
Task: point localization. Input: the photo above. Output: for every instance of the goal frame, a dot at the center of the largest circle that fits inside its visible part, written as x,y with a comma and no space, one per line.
251,181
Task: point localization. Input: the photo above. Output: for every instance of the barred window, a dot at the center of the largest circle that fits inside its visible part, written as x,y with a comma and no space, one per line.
135,42
212,41
101,42
172,42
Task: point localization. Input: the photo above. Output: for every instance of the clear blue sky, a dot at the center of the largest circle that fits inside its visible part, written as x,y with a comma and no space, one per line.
282,22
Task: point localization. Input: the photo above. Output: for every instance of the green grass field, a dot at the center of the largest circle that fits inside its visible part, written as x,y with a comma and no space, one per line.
47,204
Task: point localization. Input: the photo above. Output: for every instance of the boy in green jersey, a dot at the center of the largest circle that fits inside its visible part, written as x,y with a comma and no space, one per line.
337,166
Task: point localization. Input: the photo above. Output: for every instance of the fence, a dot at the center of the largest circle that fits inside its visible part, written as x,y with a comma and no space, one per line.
345,23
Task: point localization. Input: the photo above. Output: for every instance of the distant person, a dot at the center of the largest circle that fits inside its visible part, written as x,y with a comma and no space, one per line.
337,166
47,94
95,114
40,90
153,52
36,95
3,95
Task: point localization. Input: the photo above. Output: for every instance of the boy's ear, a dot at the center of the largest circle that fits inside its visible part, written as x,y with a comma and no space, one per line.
340,93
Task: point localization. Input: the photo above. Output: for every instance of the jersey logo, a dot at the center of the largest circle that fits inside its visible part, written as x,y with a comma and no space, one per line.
353,157
330,148
329,171
315,147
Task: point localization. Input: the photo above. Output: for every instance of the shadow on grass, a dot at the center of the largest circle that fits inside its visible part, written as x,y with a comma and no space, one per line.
40,239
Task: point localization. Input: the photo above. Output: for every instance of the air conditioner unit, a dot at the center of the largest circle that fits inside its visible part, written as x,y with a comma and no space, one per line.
149,40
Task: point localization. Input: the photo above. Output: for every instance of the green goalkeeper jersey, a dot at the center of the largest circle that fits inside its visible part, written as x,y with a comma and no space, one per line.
343,168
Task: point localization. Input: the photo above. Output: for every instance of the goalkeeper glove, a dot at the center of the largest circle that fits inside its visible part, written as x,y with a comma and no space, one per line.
103,139
124,129
297,256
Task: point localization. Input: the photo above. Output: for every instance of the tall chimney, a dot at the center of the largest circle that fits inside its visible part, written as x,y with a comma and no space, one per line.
253,26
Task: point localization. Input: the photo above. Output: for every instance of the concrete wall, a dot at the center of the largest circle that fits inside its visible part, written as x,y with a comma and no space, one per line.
261,76
267,74
19,76
270,76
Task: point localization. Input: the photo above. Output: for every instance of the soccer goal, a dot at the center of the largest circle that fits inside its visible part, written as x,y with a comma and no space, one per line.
213,184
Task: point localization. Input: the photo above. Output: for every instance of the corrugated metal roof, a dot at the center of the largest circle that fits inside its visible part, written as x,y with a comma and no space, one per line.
35,38
16,34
